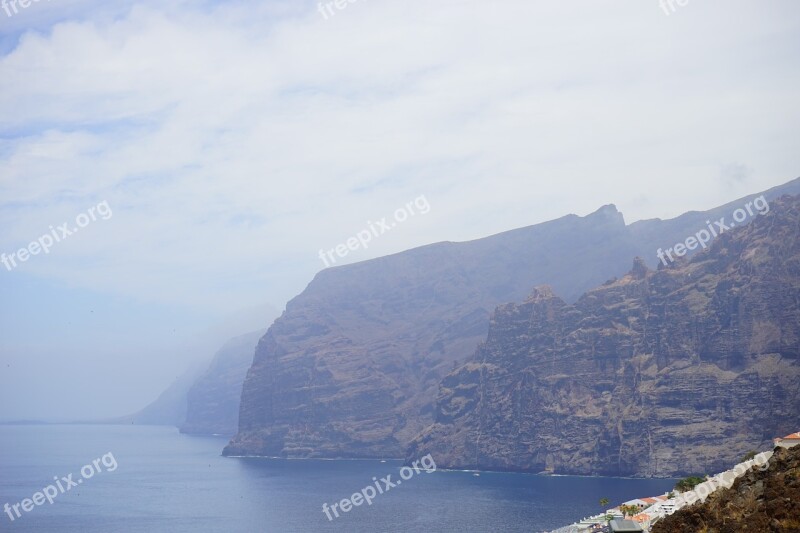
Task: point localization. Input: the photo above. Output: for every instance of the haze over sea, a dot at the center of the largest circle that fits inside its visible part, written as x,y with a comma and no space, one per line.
170,482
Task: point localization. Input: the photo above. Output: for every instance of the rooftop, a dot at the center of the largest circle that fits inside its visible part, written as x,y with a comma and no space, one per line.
625,526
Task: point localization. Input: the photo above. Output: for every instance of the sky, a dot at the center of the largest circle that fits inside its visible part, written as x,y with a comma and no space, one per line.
207,152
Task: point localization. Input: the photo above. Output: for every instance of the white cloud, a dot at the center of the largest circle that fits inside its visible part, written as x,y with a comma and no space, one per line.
233,143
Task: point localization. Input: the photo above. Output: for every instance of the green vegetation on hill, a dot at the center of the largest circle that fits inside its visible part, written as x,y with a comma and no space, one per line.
687,484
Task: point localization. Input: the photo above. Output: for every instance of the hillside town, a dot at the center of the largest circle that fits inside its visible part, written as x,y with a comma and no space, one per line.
640,514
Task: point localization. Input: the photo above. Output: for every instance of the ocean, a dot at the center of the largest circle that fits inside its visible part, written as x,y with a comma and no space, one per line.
146,479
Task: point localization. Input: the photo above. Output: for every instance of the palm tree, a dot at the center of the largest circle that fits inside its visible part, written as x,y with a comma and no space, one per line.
628,510
604,505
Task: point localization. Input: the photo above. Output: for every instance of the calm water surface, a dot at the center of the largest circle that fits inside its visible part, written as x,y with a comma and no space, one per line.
170,482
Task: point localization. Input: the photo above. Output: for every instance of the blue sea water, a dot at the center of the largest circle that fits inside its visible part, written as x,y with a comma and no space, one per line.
165,481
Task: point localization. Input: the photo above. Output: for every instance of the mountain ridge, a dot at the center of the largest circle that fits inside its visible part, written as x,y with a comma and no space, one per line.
639,368
352,367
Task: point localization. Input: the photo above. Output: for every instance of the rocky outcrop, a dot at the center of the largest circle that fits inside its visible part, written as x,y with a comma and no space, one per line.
760,500
353,366
212,402
205,399
659,373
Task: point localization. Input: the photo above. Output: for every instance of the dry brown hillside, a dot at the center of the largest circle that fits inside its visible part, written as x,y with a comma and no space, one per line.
758,501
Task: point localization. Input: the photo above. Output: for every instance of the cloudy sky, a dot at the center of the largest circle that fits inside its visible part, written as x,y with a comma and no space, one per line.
232,141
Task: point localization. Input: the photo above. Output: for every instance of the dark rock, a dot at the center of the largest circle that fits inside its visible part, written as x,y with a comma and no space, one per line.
665,373
353,366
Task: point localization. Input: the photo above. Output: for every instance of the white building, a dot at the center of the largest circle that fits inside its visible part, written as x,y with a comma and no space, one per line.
788,441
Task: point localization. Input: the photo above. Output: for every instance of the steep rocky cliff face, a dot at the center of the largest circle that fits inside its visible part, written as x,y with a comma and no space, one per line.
766,501
212,402
352,367
665,373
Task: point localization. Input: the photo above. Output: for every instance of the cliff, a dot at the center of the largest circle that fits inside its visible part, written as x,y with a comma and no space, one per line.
661,373
353,366
212,402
